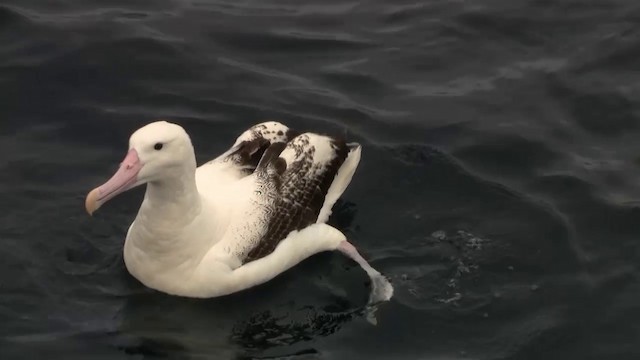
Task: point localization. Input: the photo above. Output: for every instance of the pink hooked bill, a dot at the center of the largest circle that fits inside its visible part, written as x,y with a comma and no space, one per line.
121,181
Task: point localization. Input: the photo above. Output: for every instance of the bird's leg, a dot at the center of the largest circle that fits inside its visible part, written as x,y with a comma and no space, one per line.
381,289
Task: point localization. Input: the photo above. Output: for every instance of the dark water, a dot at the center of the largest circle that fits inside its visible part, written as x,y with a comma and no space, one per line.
499,187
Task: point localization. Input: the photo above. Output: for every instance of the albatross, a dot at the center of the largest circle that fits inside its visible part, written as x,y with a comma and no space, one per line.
239,220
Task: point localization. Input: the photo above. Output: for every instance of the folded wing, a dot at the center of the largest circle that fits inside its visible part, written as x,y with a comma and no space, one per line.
296,185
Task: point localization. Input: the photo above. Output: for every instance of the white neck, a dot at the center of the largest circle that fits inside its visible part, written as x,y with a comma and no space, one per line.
172,230
172,202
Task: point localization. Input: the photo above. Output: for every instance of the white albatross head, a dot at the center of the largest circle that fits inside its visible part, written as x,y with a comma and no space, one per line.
157,151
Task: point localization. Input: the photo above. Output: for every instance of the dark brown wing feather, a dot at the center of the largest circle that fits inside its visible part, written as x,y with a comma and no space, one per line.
252,144
301,192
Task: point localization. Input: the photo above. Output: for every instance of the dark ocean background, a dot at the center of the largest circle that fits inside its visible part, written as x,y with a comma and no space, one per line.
499,187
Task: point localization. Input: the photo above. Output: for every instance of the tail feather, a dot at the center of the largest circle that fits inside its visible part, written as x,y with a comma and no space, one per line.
341,181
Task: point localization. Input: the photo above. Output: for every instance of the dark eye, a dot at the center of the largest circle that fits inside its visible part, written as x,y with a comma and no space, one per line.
158,146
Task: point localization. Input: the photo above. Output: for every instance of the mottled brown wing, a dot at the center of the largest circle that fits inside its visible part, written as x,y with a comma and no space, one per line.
251,145
312,162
